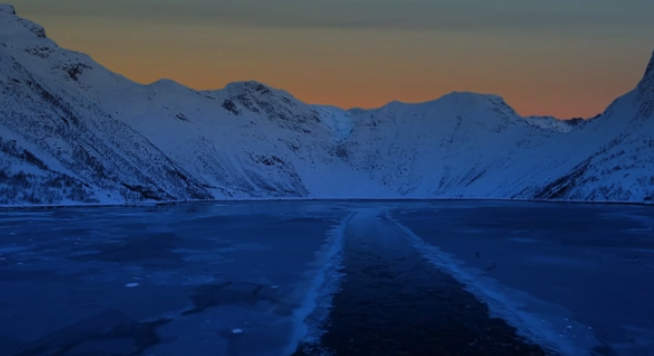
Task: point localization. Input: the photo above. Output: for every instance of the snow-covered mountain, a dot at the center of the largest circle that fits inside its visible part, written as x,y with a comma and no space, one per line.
620,165
73,132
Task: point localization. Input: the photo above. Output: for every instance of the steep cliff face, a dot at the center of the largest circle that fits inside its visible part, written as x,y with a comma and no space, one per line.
644,98
73,132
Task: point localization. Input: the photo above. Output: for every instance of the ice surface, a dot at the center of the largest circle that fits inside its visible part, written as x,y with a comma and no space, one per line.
207,268
572,277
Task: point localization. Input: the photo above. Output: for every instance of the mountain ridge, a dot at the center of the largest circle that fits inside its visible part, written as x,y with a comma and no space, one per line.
9,9
72,132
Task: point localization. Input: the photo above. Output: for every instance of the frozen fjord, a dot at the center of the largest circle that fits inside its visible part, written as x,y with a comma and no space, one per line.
259,278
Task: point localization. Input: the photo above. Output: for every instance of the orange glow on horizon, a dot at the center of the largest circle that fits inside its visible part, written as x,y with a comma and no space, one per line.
364,68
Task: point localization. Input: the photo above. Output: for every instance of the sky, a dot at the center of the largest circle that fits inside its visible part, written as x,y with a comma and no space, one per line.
567,58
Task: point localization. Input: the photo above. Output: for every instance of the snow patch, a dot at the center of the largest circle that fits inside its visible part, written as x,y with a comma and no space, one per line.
338,120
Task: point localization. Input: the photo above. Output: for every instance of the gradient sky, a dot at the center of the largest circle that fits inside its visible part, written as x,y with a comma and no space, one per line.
557,57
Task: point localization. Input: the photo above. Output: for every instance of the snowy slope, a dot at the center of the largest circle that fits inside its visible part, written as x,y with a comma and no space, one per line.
128,142
45,108
621,166
73,132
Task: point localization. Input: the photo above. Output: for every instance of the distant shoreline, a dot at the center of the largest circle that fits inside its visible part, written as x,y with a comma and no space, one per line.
305,199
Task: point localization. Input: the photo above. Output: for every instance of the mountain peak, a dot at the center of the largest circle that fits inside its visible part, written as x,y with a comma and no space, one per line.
468,96
255,89
650,67
249,86
15,24
647,83
7,9
472,100
165,82
645,91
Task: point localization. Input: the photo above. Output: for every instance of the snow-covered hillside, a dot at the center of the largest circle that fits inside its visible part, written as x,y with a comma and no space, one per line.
620,166
72,132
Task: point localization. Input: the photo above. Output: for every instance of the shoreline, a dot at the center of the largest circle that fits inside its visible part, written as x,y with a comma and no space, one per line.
309,199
